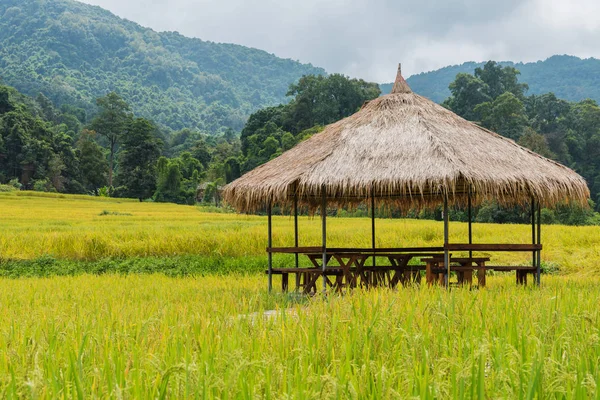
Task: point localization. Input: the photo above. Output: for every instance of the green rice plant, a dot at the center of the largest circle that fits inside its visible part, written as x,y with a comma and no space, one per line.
152,336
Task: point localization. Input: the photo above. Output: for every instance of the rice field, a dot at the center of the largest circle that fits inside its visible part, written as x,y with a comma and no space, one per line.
157,337
88,228
213,336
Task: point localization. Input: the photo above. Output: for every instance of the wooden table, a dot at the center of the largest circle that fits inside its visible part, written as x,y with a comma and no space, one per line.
436,271
352,271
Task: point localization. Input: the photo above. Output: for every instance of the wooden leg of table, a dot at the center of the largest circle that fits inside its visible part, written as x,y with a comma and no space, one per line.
298,281
428,274
406,277
521,277
416,277
329,282
467,277
312,283
284,282
481,277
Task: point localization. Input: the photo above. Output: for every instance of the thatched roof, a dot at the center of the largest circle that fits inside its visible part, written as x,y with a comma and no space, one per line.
406,148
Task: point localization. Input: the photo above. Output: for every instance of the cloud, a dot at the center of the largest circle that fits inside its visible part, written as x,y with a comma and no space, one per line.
367,38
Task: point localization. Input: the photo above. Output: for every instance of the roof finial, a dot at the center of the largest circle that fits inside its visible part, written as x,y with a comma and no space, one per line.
400,86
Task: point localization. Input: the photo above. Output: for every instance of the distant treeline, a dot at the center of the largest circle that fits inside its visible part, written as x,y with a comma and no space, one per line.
114,153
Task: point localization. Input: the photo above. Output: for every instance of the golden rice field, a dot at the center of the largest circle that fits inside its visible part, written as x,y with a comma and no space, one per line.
146,337
141,336
72,227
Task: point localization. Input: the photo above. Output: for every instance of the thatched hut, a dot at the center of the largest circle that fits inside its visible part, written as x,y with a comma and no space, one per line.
406,149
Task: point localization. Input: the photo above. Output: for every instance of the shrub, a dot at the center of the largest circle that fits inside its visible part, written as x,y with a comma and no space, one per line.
15,183
7,188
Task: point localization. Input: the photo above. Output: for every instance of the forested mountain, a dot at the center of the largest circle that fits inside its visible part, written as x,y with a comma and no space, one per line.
569,78
74,53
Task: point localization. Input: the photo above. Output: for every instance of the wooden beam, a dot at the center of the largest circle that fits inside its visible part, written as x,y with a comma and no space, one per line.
493,247
319,249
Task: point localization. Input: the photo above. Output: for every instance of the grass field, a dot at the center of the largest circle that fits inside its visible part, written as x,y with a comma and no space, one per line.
106,331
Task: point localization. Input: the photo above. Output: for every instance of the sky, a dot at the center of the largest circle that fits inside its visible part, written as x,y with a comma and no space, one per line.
368,38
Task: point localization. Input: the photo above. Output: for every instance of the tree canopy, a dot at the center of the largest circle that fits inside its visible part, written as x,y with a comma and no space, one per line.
554,128
317,101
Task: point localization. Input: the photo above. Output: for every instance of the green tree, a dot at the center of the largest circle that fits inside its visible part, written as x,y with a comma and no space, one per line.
189,165
111,122
467,92
287,141
5,102
169,182
92,162
232,169
499,80
504,115
320,100
138,160
201,152
56,168
536,142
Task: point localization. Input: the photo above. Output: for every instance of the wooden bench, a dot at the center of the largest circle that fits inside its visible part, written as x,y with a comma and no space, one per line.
521,271
306,277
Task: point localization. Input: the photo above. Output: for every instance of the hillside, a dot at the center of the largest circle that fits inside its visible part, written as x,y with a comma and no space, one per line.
570,78
73,53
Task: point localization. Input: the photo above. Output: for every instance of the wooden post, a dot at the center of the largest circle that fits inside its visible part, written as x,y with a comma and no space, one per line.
296,237
539,241
533,253
324,232
373,223
446,255
469,216
270,244
296,225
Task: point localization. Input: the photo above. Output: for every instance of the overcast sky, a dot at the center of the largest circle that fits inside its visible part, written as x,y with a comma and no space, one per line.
367,38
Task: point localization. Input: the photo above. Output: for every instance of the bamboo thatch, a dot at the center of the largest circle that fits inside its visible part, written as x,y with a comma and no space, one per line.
405,148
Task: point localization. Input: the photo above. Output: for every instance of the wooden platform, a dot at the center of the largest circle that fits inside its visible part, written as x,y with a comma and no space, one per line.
348,268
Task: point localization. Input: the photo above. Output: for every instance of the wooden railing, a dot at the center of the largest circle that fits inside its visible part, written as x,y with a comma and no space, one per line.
493,247
451,247
318,249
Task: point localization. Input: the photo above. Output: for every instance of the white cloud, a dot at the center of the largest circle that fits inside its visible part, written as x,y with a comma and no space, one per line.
368,38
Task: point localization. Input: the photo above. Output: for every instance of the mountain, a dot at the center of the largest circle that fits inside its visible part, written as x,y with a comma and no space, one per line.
74,52
570,78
